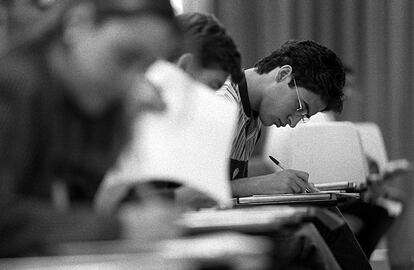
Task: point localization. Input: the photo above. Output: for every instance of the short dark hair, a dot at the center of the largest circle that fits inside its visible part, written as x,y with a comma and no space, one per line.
213,44
315,67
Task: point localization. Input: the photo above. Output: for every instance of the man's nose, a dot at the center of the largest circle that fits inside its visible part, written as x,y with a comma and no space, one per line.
294,120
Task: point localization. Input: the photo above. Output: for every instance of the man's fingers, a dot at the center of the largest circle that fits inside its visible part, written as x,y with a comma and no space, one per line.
313,188
295,181
295,188
304,186
300,174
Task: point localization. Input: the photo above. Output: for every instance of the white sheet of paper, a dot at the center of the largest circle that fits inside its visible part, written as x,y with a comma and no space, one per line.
328,151
189,142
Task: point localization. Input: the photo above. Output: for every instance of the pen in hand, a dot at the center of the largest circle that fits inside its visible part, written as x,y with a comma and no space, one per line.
275,161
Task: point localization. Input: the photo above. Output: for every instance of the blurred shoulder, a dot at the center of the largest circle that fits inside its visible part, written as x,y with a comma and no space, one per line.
20,73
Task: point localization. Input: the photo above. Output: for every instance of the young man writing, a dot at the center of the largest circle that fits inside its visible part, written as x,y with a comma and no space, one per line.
293,83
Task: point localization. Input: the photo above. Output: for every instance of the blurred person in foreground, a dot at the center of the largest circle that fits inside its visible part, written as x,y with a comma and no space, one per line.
65,84
3,24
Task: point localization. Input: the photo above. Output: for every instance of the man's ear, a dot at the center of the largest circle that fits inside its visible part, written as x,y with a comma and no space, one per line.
78,22
185,62
284,72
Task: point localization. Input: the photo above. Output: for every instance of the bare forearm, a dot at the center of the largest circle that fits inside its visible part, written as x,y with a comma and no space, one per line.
286,181
251,186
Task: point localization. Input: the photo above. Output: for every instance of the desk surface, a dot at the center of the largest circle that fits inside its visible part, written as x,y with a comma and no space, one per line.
305,198
91,262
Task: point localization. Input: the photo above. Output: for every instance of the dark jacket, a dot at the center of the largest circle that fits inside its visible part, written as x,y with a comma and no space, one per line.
45,138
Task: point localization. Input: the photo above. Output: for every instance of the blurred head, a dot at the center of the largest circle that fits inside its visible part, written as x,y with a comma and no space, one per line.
23,13
106,45
211,54
112,42
3,22
304,78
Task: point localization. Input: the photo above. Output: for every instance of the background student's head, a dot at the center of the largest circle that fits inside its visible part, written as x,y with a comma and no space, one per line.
211,54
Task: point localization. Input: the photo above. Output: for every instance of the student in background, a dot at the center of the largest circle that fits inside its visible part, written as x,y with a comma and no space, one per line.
211,54
368,220
65,84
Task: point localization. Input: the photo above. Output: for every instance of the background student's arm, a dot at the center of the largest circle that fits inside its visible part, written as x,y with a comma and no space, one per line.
188,197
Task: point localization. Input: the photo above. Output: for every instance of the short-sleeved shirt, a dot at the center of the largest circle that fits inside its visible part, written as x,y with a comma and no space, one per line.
247,130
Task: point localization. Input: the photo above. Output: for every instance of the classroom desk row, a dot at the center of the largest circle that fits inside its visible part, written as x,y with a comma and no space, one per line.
225,250
213,239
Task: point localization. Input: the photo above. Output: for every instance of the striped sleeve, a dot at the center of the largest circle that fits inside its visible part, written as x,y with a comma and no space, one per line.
247,128
229,91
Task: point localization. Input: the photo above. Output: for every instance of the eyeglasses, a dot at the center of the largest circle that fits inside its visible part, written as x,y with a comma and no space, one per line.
302,110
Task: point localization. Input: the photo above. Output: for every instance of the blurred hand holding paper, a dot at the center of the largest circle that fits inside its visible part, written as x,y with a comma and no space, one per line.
187,143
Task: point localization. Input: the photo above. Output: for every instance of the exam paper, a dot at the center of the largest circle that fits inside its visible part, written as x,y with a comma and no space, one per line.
328,151
189,142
